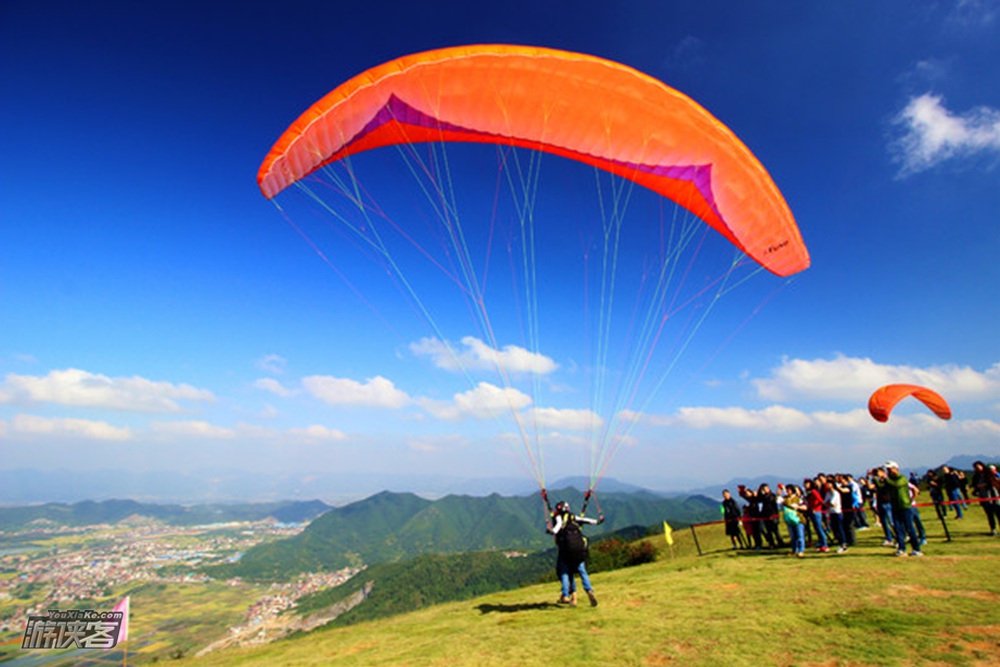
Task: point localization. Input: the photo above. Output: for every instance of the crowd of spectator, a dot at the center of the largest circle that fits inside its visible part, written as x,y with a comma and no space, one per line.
828,509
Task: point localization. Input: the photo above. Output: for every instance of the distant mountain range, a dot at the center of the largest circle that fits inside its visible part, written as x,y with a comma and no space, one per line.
89,512
396,526
29,486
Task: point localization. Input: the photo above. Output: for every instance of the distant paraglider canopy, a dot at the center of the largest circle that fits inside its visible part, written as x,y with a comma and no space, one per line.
884,399
632,293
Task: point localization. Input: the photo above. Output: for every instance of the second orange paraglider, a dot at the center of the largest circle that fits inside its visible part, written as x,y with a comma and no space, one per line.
884,399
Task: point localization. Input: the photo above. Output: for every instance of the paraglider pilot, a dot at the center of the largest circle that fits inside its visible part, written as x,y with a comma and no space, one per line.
573,551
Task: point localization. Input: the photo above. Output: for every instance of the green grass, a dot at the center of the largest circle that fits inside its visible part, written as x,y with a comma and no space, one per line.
865,607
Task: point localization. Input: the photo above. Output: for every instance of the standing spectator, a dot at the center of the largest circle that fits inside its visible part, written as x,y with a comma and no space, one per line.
846,506
748,527
986,487
858,501
902,506
952,489
883,507
831,503
814,513
963,487
769,516
821,482
731,514
918,525
936,490
752,512
791,510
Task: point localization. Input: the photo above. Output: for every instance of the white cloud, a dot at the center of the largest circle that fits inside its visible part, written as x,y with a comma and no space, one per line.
436,444
273,386
854,379
272,363
256,431
775,417
32,425
485,401
478,356
190,429
933,134
573,420
557,439
317,432
931,69
73,387
858,423
376,392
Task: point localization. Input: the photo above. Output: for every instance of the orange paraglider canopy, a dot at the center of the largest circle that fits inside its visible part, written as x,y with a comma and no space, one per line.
885,399
577,106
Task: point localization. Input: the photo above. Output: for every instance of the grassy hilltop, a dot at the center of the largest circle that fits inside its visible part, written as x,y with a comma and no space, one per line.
865,607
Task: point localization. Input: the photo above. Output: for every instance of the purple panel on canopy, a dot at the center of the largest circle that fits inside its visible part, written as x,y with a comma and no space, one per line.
398,110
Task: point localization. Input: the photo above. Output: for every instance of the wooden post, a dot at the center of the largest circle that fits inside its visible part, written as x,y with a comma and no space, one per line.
696,544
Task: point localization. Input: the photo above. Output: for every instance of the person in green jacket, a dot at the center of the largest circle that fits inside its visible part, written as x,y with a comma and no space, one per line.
889,477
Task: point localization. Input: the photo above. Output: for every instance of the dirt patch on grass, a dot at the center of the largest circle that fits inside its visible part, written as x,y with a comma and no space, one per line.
658,659
358,648
979,643
727,587
673,654
906,590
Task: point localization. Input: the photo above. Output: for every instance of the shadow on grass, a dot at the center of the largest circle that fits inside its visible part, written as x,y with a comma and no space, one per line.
511,608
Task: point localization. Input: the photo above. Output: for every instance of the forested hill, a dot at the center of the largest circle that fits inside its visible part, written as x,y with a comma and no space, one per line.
89,512
394,526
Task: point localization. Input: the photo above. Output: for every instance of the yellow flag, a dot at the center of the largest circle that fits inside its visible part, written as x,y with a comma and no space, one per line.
668,533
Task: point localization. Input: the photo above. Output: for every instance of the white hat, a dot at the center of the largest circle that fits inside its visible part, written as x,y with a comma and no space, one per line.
891,464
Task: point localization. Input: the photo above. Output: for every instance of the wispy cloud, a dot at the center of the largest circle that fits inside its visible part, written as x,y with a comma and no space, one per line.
854,379
33,425
272,363
376,392
436,444
77,388
687,53
191,429
318,433
477,355
931,134
974,13
273,386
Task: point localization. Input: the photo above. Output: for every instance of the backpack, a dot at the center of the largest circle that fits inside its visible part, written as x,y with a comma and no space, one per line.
573,547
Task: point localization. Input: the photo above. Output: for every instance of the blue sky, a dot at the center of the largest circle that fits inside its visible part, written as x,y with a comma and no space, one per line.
157,313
